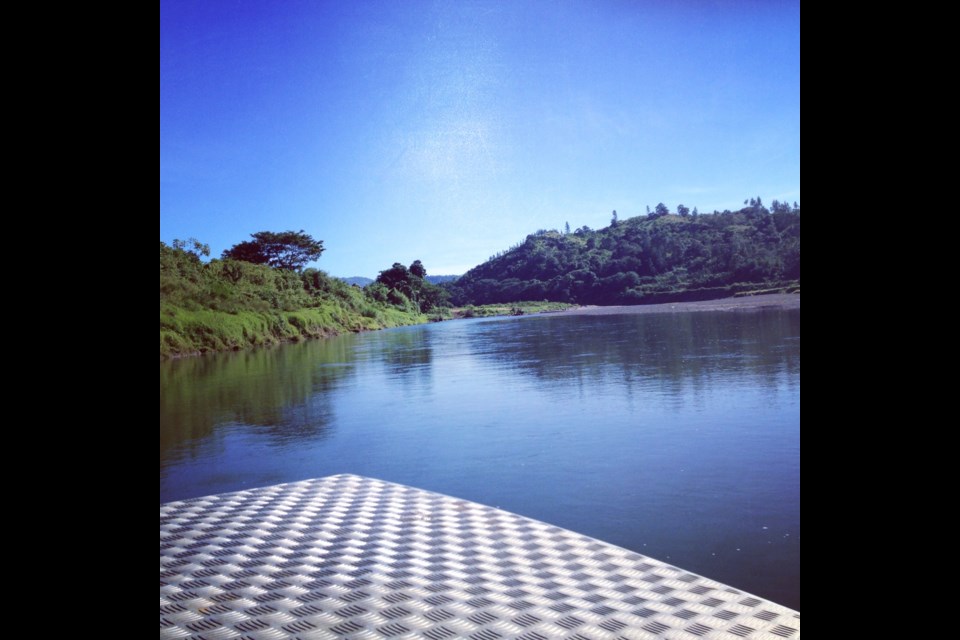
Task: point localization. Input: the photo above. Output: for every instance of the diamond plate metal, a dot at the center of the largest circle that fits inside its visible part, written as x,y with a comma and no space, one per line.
353,557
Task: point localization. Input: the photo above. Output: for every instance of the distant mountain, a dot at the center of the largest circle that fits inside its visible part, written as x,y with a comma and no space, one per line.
360,281
654,258
439,279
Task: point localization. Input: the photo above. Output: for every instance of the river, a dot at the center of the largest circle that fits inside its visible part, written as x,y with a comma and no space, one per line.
676,435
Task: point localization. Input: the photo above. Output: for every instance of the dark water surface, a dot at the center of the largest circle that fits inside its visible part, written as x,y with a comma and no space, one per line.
674,435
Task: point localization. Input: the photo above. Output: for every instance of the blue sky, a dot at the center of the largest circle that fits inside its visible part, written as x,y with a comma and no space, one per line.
396,130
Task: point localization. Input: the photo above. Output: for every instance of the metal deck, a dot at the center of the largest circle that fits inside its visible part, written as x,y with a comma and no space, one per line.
353,557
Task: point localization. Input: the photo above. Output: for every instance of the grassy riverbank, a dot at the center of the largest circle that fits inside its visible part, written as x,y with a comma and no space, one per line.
191,331
225,305
512,309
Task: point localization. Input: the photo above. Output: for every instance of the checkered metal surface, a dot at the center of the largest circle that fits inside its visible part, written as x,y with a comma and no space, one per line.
353,557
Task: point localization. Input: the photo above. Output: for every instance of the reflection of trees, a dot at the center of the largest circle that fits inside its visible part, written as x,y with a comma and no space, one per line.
281,390
675,349
407,353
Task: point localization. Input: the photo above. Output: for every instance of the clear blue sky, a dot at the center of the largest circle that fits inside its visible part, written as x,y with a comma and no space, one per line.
445,131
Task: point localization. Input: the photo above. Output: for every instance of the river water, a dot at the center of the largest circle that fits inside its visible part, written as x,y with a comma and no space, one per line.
676,435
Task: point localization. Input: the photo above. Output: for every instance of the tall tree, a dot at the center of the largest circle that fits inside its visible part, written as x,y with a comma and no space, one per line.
396,277
412,284
284,250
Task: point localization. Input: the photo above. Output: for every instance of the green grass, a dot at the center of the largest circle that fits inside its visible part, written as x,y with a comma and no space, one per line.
189,331
226,305
509,309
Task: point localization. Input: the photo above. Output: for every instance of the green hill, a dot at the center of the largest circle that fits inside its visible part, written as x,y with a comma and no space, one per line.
654,258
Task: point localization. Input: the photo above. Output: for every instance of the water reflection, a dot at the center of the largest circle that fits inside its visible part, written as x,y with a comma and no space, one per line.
406,354
280,393
676,350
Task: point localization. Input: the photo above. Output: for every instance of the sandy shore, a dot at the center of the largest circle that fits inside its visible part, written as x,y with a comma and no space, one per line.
746,303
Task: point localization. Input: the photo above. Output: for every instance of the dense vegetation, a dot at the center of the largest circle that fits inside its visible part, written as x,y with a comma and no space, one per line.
399,285
233,303
654,258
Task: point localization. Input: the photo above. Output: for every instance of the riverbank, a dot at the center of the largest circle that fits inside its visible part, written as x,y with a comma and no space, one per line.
229,305
523,308
189,332
193,332
742,303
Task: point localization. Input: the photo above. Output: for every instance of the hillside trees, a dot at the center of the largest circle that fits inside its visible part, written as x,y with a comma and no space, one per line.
687,255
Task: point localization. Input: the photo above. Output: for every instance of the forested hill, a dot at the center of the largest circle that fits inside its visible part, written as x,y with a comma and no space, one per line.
653,258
